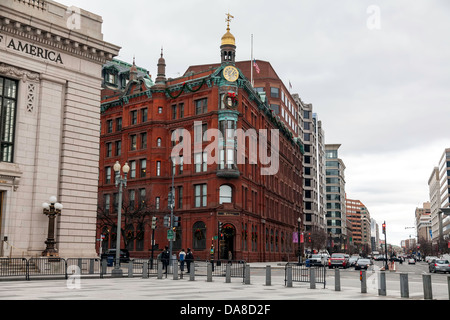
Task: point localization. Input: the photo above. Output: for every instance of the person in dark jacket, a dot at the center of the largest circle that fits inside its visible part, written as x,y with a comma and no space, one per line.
189,259
165,256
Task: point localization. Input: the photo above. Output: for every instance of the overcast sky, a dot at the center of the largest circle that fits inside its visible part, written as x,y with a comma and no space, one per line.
377,73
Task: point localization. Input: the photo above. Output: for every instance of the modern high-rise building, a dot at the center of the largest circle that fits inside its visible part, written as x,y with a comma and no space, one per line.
423,222
359,217
51,59
335,198
439,186
312,135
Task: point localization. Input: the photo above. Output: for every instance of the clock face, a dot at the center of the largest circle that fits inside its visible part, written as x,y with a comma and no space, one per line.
231,74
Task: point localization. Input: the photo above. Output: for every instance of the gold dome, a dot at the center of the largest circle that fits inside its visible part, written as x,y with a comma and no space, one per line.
228,38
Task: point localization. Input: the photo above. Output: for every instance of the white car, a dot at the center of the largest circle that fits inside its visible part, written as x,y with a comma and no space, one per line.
411,261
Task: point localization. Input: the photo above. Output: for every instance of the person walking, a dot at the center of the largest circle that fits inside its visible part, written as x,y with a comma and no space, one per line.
182,256
189,258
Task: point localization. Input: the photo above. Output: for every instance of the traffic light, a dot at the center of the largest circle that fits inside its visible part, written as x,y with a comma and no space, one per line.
384,228
171,200
154,219
176,221
219,231
167,221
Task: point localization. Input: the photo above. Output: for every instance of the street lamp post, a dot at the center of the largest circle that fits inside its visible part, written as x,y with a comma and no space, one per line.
120,182
299,242
52,210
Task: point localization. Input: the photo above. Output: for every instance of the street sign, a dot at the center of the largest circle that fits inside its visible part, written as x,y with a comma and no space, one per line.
170,234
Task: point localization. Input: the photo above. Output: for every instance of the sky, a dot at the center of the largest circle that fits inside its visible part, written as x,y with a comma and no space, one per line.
376,72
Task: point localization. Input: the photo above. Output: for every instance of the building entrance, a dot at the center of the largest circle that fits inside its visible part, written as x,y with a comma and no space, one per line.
227,243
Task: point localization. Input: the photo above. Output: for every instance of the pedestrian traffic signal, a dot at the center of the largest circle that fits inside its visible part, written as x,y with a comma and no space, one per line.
384,228
176,221
154,219
167,221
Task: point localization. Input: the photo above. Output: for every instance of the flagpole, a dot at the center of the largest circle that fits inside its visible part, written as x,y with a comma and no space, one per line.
251,64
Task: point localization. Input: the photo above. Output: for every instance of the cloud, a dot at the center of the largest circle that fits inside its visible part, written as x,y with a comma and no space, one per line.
383,94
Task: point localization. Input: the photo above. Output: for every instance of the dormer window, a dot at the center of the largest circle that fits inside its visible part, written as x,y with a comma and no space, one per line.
111,78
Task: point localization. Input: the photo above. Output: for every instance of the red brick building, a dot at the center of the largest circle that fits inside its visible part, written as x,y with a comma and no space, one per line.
237,201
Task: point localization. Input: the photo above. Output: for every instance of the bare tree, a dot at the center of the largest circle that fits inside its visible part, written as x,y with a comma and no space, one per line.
135,216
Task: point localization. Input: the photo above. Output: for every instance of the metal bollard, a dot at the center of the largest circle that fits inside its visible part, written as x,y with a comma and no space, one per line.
312,278
448,281
175,269
91,266
160,273
209,268
104,265
247,274
404,286
289,277
363,278
192,272
382,284
228,273
268,276
130,269
145,270
337,280
427,287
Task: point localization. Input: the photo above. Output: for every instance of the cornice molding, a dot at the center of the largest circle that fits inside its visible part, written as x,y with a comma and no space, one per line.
96,50
23,74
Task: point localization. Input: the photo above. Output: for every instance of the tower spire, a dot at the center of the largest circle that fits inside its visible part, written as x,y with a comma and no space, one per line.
161,76
228,45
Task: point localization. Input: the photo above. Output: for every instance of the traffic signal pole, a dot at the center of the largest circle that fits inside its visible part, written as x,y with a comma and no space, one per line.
171,204
385,247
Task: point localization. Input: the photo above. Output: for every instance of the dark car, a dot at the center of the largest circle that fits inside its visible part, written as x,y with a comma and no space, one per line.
363,264
111,253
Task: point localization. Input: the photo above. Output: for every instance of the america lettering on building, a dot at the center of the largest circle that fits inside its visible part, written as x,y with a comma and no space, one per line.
32,50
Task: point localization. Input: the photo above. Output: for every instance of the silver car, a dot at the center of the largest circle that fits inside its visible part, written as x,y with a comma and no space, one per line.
439,265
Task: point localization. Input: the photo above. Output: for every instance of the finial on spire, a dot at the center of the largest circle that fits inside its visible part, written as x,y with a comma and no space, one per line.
228,19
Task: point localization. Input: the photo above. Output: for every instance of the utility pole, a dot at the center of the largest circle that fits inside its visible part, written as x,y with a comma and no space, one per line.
386,267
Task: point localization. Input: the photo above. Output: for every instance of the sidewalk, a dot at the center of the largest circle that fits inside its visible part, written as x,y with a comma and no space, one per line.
182,289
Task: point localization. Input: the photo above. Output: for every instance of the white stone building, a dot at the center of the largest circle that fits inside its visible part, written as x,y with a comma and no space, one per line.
51,59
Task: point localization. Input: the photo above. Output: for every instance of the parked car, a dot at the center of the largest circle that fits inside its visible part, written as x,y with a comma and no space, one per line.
317,260
363,264
439,265
411,261
338,260
428,259
352,260
124,255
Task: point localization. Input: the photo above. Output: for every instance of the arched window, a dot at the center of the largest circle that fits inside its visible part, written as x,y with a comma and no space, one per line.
158,142
225,194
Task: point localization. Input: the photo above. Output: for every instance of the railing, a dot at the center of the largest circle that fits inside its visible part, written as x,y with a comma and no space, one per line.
302,273
38,4
13,268
57,268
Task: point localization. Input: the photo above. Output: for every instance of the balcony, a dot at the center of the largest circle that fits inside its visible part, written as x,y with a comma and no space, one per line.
228,171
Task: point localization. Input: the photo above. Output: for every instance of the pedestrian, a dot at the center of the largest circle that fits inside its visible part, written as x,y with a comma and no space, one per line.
165,256
182,256
189,258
